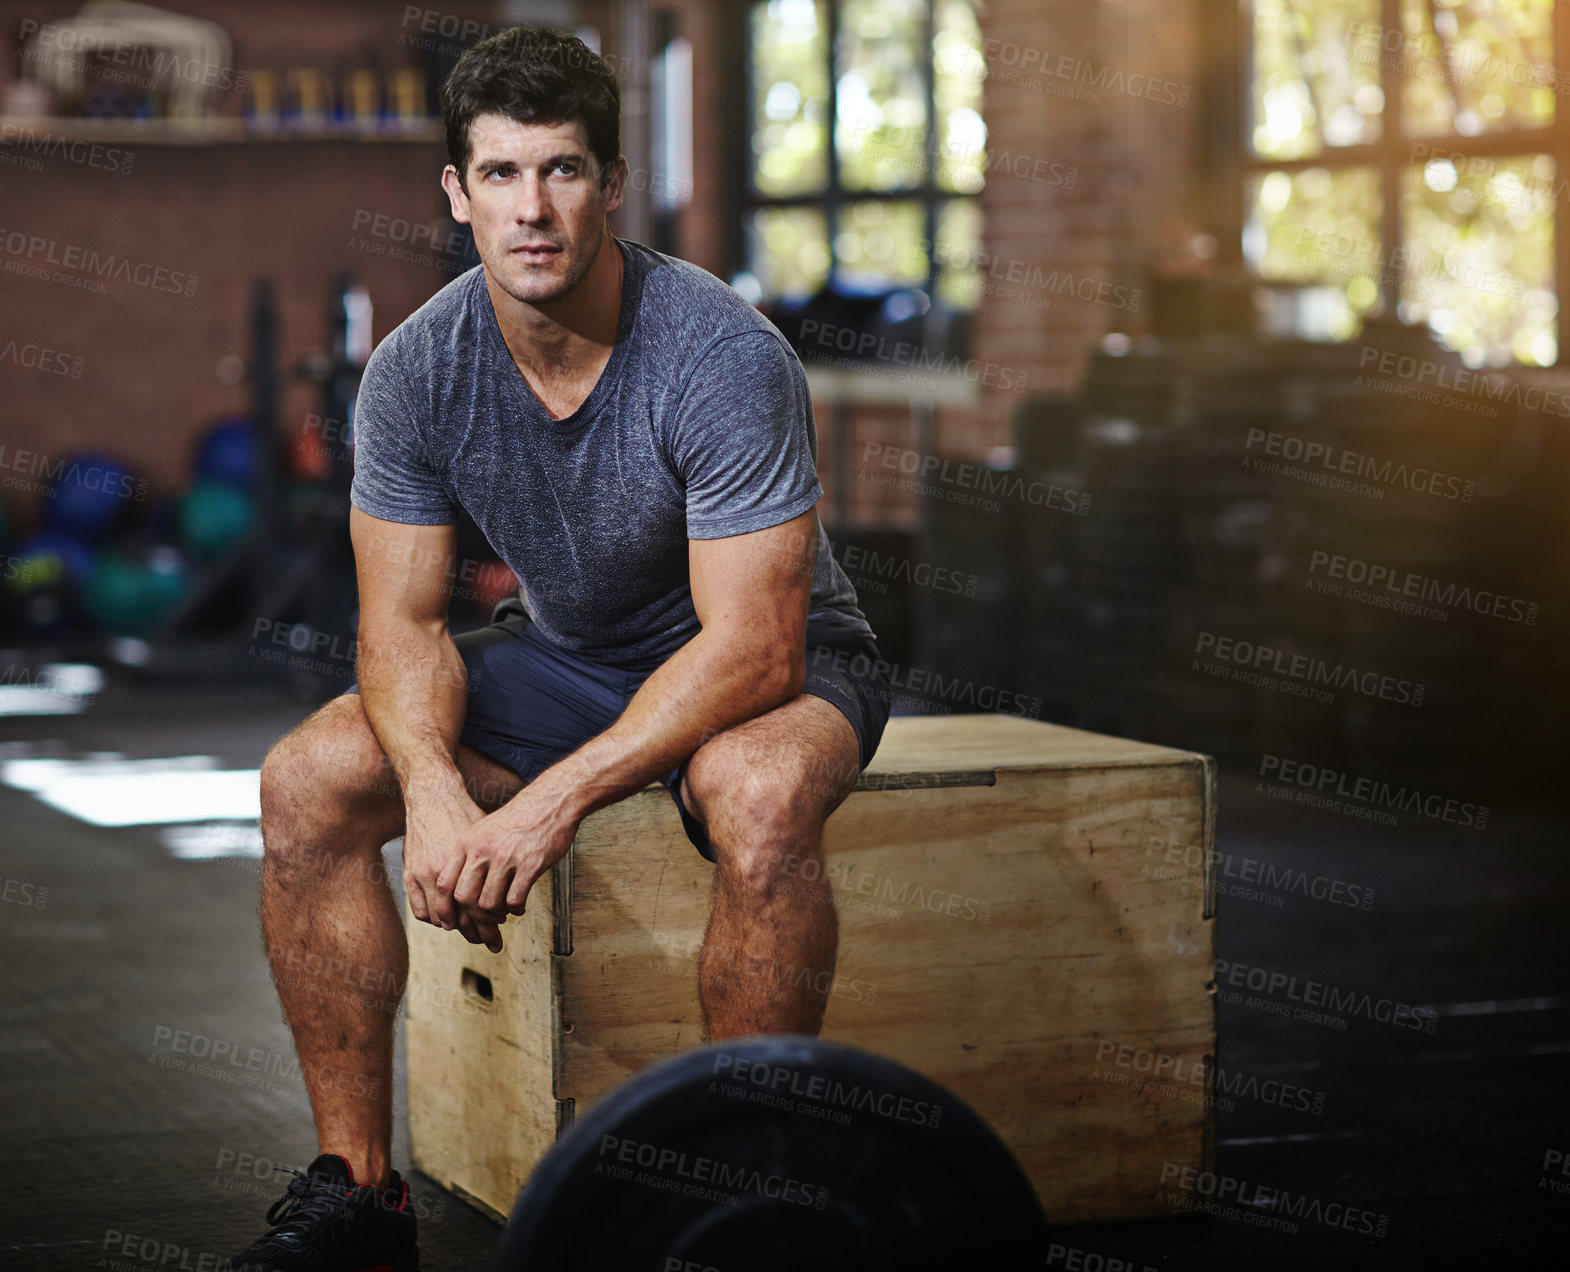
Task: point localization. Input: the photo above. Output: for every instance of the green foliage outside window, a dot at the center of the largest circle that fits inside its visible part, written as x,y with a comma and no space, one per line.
1475,257
884,143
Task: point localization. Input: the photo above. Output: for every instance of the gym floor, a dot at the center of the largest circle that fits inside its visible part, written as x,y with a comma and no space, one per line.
117,1157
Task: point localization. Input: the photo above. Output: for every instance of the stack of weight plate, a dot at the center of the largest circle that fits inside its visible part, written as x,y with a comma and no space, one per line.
1130,560
1204,523
971,599
1050,455
1289,616
1394,524
1191,537
1522,514
1230,531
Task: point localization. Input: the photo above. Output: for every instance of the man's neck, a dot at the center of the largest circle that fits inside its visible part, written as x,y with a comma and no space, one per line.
575,334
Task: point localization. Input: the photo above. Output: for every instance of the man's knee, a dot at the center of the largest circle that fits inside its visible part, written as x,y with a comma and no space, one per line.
758,810
331,762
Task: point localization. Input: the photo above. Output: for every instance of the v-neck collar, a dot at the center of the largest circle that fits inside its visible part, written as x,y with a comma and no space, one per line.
631,287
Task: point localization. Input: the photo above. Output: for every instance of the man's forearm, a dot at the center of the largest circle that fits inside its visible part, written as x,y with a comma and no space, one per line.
413,685
710,684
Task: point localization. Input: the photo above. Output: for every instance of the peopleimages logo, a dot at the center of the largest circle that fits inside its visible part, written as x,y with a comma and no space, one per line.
223,1058
34,143
1313,993
1069,1258
31,255
1491,386
27,895
1333,466
938,470
869,569
925,686
783,1080
707,1178
1254,662
1494,179
39,358
1372,791
1199,1189
32,470
1029,276
1158,1070
1021,60
868,345
1403,591
88,49
1235,874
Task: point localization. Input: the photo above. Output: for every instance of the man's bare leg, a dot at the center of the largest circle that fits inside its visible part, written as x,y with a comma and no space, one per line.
335,939
763,790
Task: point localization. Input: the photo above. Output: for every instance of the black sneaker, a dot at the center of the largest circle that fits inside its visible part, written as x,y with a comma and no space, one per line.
328,1223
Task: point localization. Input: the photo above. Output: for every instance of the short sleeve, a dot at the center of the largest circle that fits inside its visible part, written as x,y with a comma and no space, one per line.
743,440
394,479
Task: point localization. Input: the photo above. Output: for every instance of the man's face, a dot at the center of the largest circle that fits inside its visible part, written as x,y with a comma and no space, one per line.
536,203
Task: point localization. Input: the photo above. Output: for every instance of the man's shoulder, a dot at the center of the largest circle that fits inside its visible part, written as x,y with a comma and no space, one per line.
422,342
691,310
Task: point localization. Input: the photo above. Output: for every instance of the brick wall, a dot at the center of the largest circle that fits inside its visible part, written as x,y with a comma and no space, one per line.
1094,118
1114,196
227,214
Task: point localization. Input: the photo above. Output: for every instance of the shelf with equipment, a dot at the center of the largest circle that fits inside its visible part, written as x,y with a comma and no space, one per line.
217,131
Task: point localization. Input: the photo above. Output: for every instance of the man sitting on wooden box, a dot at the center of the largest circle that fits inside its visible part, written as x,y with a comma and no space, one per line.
637,443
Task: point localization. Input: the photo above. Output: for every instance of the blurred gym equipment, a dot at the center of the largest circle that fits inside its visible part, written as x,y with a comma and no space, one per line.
274,556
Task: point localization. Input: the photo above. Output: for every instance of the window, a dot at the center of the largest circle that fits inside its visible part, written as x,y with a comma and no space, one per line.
867,148
1404,157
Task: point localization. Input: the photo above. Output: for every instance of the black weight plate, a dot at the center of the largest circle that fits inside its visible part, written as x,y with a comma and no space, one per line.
775,1153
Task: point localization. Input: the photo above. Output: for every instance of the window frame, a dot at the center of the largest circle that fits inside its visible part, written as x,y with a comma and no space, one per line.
1391,155
834,197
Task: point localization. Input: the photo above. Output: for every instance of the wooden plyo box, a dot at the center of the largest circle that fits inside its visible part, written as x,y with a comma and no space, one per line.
1026,916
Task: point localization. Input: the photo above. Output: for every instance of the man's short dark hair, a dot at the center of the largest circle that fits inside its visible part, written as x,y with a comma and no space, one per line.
536,76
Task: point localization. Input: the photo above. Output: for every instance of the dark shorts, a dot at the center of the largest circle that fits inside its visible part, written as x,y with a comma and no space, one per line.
531,702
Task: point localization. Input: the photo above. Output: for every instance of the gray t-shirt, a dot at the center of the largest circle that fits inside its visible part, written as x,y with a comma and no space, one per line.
700,427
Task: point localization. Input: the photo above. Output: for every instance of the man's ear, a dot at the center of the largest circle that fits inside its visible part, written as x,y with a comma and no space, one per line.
615,184
456,195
